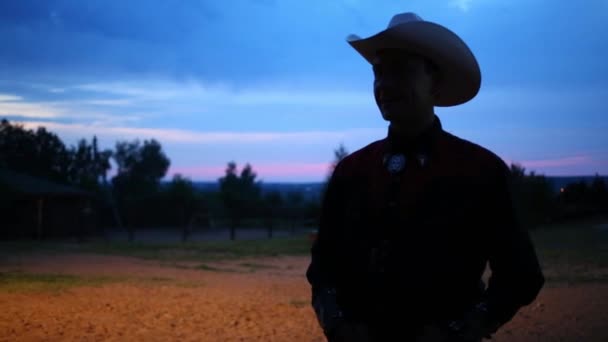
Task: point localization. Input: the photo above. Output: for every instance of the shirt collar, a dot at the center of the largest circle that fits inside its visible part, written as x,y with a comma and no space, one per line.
422,144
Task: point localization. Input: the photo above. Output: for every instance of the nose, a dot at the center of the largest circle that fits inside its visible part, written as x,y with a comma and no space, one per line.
379,91
381,87
384,89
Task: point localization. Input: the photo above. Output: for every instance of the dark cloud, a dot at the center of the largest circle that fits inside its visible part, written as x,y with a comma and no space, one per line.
99,38
156,21
561,45
250,40
214,41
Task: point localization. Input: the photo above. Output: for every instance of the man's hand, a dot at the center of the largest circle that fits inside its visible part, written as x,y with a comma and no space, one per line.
433,333
475,325
349,332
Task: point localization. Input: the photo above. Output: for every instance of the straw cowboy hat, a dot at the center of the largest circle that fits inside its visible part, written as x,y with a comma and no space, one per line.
460,77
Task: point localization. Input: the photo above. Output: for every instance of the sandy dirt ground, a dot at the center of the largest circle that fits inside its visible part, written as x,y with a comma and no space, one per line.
245,300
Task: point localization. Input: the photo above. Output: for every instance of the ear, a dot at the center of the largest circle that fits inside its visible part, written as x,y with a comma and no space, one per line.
435,88
433,71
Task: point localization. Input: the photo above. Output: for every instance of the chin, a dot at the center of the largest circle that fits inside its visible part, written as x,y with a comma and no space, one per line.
392,113
399,117
386,117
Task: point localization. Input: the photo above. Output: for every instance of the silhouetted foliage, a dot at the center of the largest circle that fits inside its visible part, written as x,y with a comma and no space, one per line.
181,199
274,199
240,194
598,194
143,201
136,184
88,166
339,153
295,201
273,207
42,154
532,196
580,199
38,153
140,166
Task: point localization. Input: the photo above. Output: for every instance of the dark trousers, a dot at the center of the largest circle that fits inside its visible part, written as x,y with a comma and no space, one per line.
375,334
399,339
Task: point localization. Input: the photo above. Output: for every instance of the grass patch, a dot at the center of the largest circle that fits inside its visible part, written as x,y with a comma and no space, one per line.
575,252
254,266
16,281
170,252
576,278
572,253
21,247
206,267
29,282
244,267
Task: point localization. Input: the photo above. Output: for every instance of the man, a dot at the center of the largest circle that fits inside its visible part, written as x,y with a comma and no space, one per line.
409,222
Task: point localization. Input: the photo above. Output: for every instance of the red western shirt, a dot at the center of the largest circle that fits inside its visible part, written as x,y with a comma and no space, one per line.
418,240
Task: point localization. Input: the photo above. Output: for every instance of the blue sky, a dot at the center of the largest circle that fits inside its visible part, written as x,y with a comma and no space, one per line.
274,83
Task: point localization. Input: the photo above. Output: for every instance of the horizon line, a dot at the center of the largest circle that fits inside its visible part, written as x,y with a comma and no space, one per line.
168,179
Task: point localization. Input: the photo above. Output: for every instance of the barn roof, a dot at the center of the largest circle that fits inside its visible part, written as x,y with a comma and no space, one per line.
33,186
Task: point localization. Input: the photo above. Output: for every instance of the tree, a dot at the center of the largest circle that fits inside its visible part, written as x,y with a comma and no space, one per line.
576,193
183,200
532,196
580,199
101,161
38,153
295,201
140,169
231,197
42,154
339,154
240,194
273,204
88,166
598,193
140,166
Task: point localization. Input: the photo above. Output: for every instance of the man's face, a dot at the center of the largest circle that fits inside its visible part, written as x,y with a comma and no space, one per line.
403,86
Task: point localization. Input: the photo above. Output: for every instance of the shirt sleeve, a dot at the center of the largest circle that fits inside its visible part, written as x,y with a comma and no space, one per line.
516,277
321,272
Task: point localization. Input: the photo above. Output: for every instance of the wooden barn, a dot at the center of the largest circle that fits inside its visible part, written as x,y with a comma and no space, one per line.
37,208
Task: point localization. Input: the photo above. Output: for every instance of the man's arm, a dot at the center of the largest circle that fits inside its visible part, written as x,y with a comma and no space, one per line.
516,277
321,273
516,274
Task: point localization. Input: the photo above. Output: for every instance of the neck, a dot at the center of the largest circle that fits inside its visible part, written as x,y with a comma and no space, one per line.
410,131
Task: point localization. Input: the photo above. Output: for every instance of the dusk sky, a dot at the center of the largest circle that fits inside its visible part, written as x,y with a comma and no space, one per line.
274,83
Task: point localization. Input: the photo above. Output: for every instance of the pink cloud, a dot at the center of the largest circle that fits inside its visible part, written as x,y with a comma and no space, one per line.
198,172
300,172
317,172
559,162
582,164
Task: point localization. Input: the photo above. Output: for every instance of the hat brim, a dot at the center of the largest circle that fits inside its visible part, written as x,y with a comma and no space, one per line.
460,78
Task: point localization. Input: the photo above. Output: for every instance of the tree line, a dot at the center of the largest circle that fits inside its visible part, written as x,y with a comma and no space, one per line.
136,197
537,203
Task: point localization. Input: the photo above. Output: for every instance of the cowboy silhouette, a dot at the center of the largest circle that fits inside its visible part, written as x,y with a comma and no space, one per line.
409,222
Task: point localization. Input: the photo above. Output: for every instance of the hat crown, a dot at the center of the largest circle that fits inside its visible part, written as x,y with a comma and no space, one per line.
403,18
